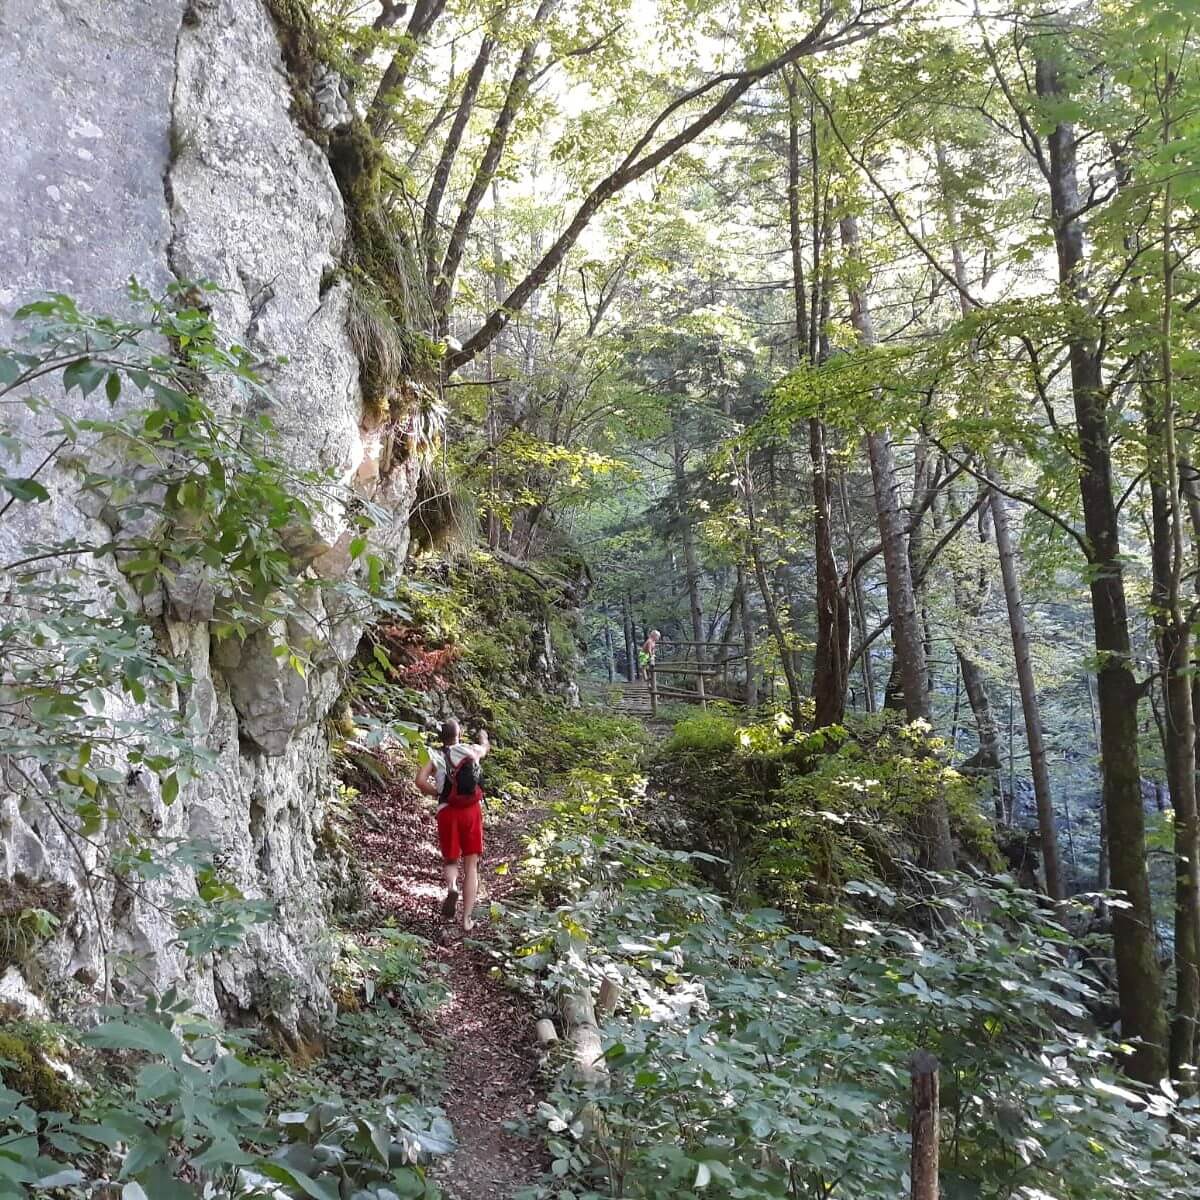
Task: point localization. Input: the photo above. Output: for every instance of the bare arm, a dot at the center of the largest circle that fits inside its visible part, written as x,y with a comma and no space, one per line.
482,746
425,779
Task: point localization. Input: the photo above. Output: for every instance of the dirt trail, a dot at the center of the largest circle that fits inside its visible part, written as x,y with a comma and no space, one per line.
490,1064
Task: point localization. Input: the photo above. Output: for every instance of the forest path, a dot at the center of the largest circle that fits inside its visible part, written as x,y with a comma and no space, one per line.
490,1062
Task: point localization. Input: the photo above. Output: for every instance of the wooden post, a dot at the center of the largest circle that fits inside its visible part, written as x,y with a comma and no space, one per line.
925,1126
609,995
546,1033
650,674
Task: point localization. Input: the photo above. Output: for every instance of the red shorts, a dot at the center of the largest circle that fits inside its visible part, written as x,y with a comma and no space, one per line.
460,831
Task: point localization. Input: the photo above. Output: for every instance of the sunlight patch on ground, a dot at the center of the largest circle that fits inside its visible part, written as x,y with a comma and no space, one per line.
426,889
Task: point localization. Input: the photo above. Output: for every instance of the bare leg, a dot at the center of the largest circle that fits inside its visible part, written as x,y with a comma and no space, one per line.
450,874
470,889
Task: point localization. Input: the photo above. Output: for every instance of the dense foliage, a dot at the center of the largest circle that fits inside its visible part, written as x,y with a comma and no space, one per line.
796,818
746,1059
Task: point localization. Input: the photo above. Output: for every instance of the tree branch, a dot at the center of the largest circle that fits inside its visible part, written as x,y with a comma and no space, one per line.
636,163
441,174
514,97
424,16
389,15
1029,501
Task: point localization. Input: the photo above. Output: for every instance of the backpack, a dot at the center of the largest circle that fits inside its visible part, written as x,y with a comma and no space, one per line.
464,783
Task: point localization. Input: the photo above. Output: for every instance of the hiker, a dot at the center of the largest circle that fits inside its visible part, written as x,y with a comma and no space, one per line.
649,646
452,775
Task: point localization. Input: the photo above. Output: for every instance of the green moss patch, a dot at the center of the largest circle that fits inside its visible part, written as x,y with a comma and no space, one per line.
25,1069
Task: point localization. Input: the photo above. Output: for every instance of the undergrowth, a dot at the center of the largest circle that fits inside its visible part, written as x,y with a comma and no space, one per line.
163,1104
747,1058
796,817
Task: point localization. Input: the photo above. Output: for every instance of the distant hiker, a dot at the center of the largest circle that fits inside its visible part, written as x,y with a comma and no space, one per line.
452,774
649,647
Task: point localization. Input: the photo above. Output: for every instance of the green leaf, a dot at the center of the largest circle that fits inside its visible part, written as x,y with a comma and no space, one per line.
133,1034
24,489
85,375
68,1177
298,1179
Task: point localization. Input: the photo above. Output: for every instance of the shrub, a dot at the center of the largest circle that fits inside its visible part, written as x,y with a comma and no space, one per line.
749,1061
798,816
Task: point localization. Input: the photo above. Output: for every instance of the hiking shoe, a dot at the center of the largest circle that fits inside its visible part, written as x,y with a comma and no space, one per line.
450,903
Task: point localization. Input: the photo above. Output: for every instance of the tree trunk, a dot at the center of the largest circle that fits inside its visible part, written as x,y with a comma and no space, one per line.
747,640
1102,859
986,760
907,643
764,588
1139,982
1173,630
691,561
1030,706
856,595
970,594
1179,744
1018,629
924,492
831,674
609,662
424,15
631,663
445,163
514,98
830,666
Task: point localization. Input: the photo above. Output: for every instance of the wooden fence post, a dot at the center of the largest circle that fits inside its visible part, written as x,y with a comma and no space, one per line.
653,689
925,1126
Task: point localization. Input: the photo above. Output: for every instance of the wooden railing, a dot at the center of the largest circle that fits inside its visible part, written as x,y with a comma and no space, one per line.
704,666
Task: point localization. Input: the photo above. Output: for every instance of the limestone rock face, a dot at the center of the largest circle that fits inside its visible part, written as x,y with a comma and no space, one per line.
154,138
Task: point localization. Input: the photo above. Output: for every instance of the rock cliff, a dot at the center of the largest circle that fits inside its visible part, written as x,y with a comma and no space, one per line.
155,138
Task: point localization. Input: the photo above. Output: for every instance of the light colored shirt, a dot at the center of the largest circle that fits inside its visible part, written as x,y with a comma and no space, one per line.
457,754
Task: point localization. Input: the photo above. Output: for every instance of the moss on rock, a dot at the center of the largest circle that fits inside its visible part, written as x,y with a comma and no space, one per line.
387,294
24,1068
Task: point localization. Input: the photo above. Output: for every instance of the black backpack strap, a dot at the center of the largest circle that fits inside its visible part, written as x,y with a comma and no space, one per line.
448,786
